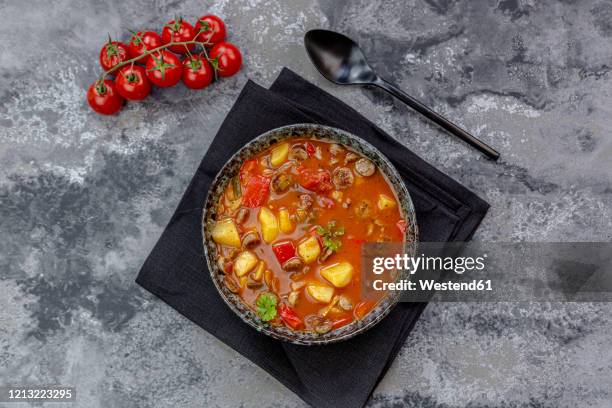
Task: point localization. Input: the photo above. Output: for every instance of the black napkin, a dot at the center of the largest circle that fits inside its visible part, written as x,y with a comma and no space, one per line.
338,375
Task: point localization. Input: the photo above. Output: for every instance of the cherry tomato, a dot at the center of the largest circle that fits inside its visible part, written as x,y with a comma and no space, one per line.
197,73
289,316
113,53
103,97
132,83
143,41
178,31
164,69
211,29
228,58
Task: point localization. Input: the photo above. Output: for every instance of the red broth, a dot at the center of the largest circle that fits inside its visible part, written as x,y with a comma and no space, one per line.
290,228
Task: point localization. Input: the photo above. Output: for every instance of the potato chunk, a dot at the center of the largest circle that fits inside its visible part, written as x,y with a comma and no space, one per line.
319,292
279,154
385,202
244,263
269,224
225,232
339,274
309,250
284,221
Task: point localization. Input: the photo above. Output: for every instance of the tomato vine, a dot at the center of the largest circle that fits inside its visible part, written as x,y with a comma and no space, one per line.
154,50
207,56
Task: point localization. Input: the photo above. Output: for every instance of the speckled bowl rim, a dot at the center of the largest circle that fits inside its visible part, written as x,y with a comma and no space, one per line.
231,168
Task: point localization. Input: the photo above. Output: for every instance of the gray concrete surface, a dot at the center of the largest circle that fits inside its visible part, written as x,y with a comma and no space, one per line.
83,198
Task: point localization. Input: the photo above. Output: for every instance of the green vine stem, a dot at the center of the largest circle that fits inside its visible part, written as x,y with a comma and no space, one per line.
202,44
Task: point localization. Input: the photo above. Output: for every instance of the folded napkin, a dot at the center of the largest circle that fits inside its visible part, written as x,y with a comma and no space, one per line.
338,375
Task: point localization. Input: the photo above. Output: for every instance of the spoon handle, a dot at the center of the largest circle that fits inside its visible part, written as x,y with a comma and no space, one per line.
437,118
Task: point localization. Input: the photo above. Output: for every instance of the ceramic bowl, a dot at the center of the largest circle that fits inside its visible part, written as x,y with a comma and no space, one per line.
232,167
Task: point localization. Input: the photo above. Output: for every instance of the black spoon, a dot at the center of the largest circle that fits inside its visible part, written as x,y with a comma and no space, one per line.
340,60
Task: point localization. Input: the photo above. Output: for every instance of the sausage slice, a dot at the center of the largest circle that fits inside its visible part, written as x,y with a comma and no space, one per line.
342,178
364,167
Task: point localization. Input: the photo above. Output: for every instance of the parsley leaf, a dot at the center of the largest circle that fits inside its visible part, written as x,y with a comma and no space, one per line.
266,306
330,236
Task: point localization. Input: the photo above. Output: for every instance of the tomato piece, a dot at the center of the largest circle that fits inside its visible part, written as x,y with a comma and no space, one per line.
315,180
197,72
289,316
112,53
227,57
310,149
164,69
132,83
401,225
179,30
255,191
211,29
342,321
284,251
104,98
247,168
143,41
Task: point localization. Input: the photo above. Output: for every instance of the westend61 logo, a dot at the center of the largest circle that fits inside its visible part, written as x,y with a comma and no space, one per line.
412,264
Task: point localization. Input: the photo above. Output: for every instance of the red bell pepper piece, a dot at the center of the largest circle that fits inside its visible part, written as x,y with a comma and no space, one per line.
255,191
315,180
289,316
362,309
343,321
284,251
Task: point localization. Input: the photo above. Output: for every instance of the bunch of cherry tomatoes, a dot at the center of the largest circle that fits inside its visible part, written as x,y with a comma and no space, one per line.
150,59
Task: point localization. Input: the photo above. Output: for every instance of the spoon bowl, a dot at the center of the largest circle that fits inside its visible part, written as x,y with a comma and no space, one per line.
338,58
341,61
